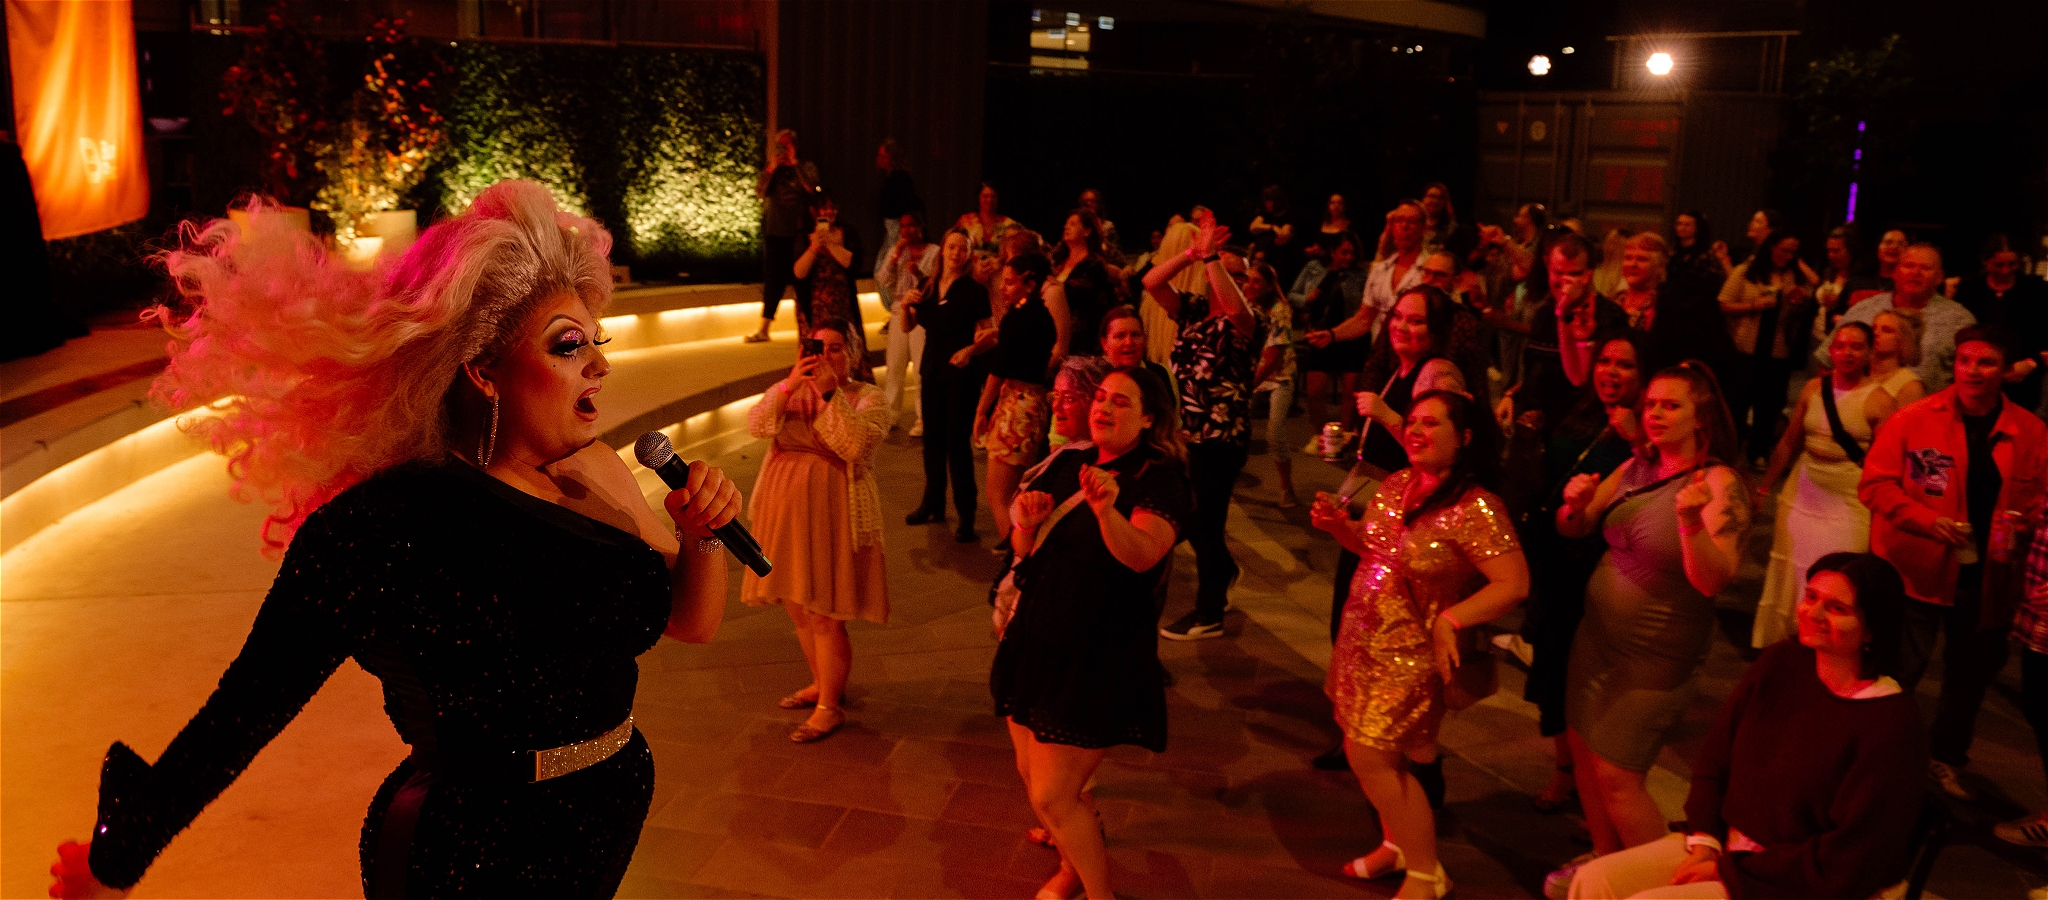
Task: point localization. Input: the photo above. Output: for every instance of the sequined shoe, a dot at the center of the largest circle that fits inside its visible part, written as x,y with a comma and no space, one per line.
805,734
1558,885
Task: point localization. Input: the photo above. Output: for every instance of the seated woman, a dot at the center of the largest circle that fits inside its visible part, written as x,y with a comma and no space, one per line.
819,515
1831,820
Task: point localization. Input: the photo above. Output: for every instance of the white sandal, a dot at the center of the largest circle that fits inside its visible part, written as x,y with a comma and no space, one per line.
1356,868
1441,880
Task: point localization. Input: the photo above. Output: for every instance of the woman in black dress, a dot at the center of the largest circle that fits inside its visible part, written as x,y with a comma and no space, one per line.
1078,670
455,526
1081,276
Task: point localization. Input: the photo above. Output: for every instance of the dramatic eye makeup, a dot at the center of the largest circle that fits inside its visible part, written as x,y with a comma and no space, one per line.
573,339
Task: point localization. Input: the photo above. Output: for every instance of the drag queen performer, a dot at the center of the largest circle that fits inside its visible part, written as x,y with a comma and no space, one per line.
450,520
1437,554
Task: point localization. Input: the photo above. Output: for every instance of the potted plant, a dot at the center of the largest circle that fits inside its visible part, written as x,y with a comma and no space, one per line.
382,150
276,89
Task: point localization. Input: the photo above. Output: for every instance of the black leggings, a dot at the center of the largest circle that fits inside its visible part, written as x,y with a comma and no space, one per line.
1213,467
778,271
949,398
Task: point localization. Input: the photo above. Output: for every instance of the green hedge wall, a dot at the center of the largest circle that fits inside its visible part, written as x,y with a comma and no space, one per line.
660,145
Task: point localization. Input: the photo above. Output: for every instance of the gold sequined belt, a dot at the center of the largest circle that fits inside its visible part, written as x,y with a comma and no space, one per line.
581,755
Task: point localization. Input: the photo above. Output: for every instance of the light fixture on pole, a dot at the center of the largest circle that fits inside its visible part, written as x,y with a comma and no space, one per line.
1539,65
1659,63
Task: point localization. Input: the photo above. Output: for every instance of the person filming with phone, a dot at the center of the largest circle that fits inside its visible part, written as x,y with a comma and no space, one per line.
817,513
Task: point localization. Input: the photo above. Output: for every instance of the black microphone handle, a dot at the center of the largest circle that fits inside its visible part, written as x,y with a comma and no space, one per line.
738,540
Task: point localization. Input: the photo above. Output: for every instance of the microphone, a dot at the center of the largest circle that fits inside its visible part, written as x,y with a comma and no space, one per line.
655,452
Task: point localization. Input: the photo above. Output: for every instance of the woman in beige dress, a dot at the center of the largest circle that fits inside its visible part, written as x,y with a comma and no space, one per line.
1817,512
817,514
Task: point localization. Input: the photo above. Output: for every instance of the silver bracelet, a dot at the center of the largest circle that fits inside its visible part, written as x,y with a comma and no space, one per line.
704,545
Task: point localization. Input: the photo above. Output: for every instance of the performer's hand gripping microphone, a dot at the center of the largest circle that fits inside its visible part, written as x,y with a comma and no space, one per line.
655,452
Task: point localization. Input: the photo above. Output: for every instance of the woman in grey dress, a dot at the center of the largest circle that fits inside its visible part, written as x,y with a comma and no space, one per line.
1673,518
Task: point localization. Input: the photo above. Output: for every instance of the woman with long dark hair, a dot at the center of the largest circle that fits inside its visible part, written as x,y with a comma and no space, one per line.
1439,556
1673,518
450,520
1695,255
1418,332
1768,301
1596,437
824,268
1077,671
1808,784
1013,415
1330,362
1080,275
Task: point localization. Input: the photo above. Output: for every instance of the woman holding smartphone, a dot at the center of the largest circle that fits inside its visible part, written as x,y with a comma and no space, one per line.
825,268
817,513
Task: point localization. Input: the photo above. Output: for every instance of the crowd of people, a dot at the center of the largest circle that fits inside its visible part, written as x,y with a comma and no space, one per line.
1581,425
1528,418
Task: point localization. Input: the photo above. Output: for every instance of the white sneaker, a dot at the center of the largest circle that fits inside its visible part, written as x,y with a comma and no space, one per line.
1950,780
2031,831
1514,644
917,430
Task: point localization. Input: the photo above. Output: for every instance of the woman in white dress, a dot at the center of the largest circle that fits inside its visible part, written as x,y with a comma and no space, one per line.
1818,512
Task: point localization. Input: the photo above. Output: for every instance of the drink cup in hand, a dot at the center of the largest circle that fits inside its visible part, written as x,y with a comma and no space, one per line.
1966,552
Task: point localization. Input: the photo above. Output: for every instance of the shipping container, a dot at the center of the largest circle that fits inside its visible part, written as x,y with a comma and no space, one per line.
1627,159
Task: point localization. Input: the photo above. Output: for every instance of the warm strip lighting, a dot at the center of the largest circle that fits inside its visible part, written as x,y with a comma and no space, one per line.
97,474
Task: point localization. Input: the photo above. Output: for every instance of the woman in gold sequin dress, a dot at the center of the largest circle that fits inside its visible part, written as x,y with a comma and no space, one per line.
1438,554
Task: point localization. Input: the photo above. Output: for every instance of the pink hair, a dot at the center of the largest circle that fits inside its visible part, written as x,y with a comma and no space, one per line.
329,376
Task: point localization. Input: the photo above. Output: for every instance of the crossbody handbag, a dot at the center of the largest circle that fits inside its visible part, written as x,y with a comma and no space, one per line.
1847,441
1010,586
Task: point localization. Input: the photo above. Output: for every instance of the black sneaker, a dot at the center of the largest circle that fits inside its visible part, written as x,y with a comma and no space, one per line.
922,516
966,535
1333,760
1191,627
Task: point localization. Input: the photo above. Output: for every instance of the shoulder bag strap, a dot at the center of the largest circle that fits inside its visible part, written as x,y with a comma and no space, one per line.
1842,437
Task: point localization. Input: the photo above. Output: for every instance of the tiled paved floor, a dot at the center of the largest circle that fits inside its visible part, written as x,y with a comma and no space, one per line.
917,797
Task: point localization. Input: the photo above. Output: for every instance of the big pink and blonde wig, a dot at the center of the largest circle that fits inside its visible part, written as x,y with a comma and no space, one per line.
320,376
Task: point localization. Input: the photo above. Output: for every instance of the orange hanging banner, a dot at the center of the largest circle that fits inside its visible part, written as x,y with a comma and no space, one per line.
78,112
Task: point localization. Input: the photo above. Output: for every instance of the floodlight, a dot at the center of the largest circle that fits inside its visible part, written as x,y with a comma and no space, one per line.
1539,65
1659,63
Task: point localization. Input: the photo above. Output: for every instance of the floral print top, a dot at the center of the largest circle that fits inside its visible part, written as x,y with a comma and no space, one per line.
1214,362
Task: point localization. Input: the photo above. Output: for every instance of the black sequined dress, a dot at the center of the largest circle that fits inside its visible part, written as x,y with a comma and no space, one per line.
498,623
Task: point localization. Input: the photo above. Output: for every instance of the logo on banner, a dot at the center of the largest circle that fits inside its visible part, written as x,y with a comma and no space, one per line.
99,159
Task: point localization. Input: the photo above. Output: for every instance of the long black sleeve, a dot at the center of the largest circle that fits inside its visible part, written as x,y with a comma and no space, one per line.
295,645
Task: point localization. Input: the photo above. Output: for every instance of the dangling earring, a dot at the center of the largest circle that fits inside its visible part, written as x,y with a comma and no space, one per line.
489,445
